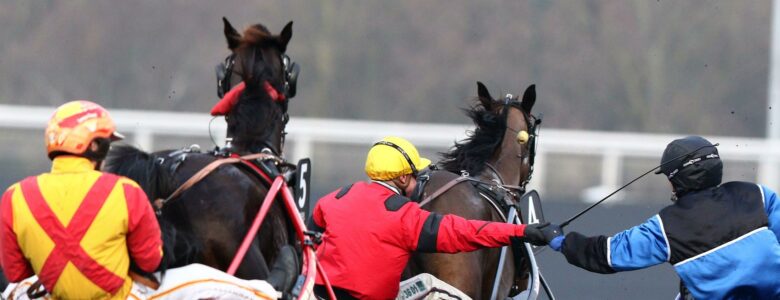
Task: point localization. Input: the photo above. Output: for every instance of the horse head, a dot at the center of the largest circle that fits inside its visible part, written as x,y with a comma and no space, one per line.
499,149
514,156
266,79
504,139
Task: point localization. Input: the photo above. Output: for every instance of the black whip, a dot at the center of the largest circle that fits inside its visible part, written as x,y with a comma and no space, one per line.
630,182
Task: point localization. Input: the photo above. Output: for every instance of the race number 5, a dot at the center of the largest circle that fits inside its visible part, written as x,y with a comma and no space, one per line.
302,186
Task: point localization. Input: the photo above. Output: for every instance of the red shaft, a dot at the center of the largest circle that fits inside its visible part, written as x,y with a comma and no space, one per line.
250,235
310,265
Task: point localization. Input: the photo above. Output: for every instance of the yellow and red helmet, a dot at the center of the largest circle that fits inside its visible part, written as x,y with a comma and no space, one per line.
75,124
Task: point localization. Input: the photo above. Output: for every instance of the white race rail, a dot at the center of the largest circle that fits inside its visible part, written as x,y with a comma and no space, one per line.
613,147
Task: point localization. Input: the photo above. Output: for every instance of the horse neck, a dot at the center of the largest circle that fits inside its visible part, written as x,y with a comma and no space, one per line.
248,146
252,142
505,166
253,138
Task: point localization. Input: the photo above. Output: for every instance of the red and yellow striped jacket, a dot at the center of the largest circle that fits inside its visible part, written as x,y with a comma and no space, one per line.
77,229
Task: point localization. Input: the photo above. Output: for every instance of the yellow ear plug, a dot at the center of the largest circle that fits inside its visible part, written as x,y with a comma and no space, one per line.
522,137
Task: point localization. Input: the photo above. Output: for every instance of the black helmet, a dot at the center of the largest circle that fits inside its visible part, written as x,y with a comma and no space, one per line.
697,170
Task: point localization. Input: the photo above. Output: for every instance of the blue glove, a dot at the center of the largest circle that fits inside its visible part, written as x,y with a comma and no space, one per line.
557,243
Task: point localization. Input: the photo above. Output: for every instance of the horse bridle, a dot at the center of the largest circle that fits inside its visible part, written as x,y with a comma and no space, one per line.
224,71
534,125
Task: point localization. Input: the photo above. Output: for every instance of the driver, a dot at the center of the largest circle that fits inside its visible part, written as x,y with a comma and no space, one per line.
721,238
371,228
76,228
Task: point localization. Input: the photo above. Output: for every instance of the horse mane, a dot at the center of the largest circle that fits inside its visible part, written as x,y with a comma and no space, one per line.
252,120
179,247
472,154
141,168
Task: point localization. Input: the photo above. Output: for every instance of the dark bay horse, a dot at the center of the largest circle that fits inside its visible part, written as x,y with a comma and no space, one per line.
495,152
208,221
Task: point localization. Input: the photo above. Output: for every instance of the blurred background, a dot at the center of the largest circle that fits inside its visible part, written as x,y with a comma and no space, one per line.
636,73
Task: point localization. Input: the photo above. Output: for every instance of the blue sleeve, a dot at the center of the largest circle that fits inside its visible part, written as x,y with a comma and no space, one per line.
772,209
639,247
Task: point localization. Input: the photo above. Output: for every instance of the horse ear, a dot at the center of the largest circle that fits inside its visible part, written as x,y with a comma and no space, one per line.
285,36
232,36
529,98
484,96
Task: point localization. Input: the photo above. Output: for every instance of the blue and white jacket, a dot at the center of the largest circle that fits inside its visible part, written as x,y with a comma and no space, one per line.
722,241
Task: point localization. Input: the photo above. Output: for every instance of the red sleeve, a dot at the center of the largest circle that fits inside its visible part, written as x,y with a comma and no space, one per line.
317,217
143,237
15,267
457,234
452,234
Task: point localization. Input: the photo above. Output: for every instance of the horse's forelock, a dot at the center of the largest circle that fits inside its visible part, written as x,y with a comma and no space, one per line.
258,35
256,41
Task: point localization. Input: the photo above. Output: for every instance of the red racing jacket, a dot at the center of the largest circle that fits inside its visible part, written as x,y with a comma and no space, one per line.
370,232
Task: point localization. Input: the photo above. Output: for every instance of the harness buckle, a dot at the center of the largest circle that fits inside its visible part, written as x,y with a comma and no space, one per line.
315,238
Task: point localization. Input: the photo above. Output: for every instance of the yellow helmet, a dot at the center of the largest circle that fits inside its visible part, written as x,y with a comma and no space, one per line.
393,157
75,124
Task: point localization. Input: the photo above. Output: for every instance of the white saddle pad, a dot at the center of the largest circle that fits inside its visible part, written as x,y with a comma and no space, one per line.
194,281
426,286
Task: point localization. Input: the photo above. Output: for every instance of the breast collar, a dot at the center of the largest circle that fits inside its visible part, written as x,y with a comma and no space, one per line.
500,196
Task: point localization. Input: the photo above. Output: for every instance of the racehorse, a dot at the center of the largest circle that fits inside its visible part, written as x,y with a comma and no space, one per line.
499,152
207,222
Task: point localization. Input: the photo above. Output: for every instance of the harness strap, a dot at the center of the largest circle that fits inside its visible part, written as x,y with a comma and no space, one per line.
495,205
263,171
202,173
450,184
520,188
445,188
